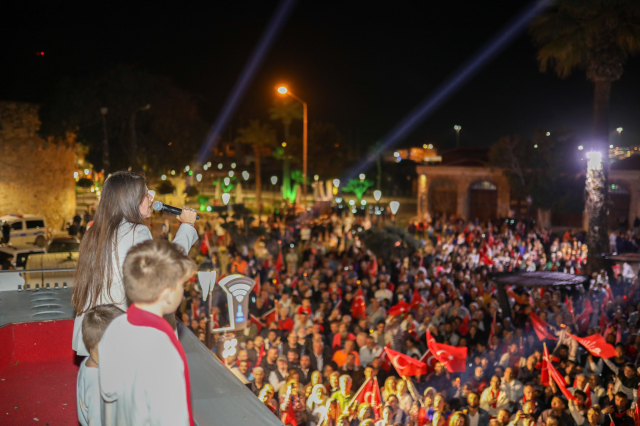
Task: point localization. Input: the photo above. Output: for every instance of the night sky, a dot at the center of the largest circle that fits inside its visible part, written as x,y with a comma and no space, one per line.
361,65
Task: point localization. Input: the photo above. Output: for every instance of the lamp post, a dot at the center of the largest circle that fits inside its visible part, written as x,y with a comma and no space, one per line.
457,128
394,206
377,194
284,91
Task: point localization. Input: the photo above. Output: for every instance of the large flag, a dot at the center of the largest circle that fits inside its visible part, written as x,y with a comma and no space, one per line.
417,299
385,361
557,377
596,345
453,358
541,328
405,365
544,371
358,306
279,262
584,318
400,308
431,361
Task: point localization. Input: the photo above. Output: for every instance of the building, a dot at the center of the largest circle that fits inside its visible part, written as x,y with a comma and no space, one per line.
465,185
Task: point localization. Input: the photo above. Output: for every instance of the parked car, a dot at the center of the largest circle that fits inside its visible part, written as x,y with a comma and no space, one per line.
25,229
19,253
63,245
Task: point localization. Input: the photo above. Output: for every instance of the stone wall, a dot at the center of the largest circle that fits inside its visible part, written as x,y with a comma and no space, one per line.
36,176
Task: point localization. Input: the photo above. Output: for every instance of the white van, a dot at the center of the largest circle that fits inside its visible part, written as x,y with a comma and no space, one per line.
19,253
25,229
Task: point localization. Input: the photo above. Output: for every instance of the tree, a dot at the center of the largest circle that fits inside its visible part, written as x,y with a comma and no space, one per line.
358,187
597,36
258,136
285,110
150,123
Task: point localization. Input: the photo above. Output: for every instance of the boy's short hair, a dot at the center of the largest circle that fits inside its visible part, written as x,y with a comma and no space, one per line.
151,267
95,322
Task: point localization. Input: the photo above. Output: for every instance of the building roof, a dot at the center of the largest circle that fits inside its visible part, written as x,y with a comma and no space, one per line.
466,157
629,163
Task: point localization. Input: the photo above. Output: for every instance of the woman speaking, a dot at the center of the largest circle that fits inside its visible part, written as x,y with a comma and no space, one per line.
117,226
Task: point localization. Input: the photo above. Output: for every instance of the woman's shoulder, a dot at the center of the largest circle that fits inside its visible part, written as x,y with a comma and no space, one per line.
133,233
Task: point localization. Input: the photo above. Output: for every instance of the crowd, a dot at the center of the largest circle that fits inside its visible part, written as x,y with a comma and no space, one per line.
326,314
339,336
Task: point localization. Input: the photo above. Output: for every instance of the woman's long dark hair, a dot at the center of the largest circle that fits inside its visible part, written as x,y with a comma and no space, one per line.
122,194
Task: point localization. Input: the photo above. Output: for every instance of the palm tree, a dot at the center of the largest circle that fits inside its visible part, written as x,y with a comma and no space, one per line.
259,136
285,110
597,36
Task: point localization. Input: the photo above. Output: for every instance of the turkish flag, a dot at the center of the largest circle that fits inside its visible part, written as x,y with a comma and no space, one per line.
541,328
405,365
417,299
544,371
375,399
596,345
279,262
484,259
464,327
256,288
608,297
569,304
289,416
294,283
587,391
386,362
271,316
430,360
366,388
453,358
401,308
373,267
261,355
357,305
585,317
259,324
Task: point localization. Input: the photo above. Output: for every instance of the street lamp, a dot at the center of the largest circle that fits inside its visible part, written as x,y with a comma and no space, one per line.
225,198
619,130
394,206
284,91
457,128
336,183
274,180
377,194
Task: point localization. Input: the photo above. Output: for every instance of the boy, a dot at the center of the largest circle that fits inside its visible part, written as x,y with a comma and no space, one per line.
89,403
144,376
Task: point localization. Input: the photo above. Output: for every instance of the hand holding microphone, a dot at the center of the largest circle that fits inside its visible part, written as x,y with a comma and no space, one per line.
185,214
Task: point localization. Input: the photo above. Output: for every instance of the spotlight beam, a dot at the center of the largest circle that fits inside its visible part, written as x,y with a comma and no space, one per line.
273,28
450,86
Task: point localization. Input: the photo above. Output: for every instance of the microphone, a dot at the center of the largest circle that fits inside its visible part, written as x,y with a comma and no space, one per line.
159,206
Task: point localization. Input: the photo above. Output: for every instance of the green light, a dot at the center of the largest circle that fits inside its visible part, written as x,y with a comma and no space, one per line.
613,186
190,173
202,208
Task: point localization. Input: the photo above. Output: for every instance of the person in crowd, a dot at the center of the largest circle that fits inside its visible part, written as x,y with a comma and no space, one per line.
89,403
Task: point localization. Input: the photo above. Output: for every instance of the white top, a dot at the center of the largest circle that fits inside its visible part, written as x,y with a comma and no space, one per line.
128,236
502,402
144,384
88,396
